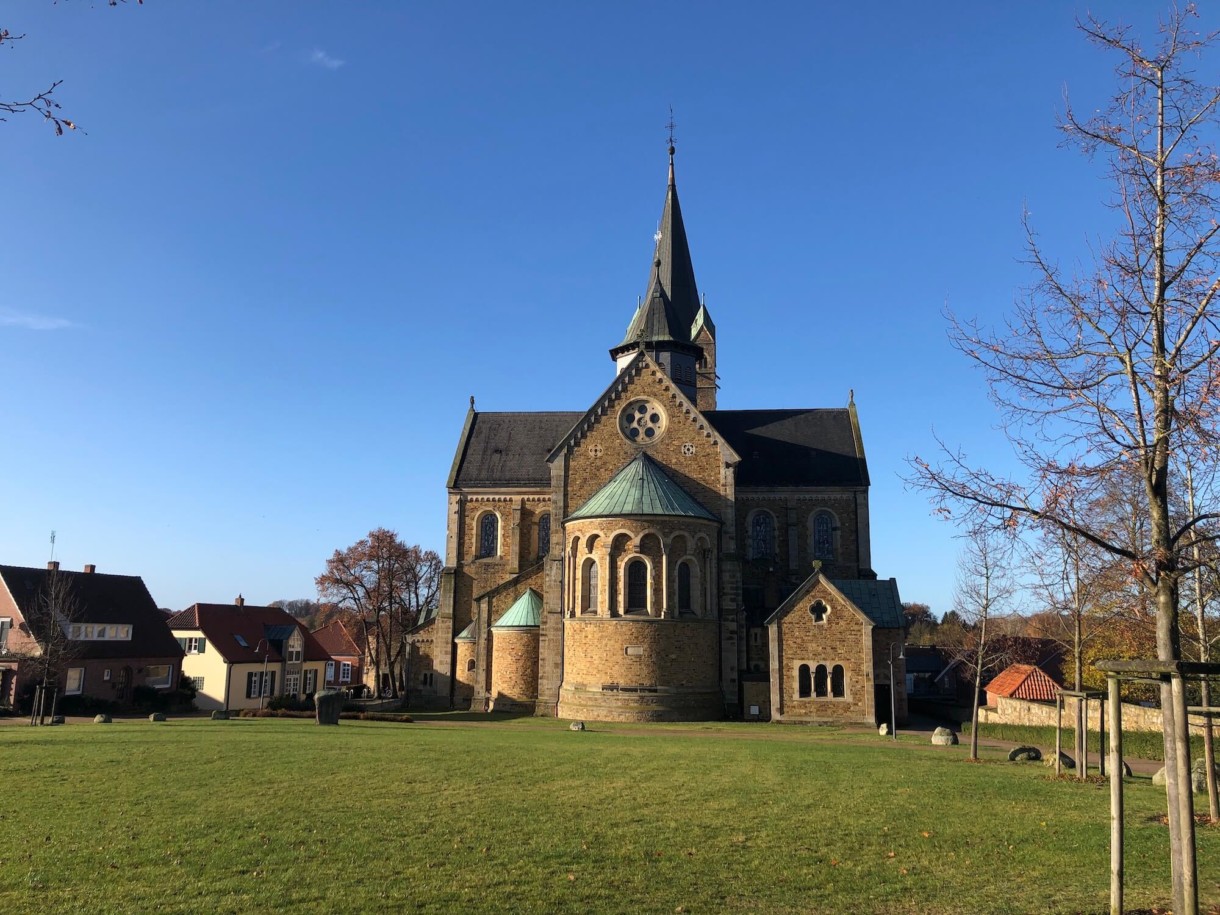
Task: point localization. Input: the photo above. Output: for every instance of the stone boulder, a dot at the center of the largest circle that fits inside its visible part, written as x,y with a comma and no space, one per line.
1064,760
884,730
101,719
1025,754
1198,776
57,719
157,716
220,715
329,703
576,726
943,737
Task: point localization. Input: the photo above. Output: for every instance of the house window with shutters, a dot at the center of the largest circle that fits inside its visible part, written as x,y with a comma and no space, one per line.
311,681
292,684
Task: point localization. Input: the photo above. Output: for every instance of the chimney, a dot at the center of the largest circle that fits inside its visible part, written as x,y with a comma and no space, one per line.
241,601
53,565
90,569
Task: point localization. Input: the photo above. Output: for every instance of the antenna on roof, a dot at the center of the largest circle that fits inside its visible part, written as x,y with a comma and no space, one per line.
670,127
52,545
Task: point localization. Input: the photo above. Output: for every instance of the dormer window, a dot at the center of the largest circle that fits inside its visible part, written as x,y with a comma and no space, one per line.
295,645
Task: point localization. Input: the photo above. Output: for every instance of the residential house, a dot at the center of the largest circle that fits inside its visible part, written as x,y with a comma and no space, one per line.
109,637
345,667
240,656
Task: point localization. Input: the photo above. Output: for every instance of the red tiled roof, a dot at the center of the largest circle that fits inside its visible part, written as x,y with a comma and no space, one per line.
1024,681
227,626
336,640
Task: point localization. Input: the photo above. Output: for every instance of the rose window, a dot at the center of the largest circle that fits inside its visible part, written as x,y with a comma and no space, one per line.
642,421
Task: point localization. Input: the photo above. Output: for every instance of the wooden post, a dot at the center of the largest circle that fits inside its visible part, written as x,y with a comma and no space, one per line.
1116,797
1101,736
1058,735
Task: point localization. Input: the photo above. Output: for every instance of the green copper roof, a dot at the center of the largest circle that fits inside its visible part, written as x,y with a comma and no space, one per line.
525,613
641,488
466,635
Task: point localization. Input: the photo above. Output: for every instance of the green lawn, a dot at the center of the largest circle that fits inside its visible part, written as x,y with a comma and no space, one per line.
525,816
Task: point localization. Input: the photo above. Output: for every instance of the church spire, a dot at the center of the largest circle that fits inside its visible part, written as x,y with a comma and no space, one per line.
671,298
670,322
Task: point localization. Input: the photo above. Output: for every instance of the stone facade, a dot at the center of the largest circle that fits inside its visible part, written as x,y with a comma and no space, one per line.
662,534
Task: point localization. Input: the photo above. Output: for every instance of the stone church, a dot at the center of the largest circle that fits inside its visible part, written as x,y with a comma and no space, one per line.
654,558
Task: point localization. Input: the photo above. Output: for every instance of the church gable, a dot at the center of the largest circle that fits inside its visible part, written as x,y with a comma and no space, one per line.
821,656
644,410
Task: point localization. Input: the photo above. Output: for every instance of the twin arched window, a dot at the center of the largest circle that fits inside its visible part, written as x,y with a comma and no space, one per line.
489,535
762,535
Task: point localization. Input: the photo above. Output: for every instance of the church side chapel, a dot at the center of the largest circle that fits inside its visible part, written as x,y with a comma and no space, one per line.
654,558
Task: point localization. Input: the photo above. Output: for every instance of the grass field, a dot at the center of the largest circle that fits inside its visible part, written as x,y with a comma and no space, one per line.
525,816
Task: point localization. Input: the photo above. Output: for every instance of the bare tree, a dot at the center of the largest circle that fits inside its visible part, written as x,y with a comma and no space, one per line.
985,586
50,617
389,585
1115,370
1204,588
44,102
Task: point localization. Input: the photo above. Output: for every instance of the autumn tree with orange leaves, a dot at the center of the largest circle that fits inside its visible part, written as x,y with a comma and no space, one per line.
1114,370
388,585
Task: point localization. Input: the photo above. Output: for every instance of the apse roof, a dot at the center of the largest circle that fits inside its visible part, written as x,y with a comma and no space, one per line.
525,613
641,488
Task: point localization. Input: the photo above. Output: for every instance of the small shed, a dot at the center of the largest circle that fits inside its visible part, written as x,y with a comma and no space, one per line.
1022,681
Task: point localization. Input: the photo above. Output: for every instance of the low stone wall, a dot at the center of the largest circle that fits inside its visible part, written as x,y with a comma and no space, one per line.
1020,711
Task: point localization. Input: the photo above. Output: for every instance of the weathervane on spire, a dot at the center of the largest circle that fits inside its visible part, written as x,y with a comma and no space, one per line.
670,127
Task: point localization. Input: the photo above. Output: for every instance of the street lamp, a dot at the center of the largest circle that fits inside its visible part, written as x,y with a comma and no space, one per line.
262,686
893,688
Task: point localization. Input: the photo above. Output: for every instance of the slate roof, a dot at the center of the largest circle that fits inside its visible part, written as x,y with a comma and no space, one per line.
812,447
671,298
100,598
227,626
641,487
1024,681
509,449
525,613
876,598
336,641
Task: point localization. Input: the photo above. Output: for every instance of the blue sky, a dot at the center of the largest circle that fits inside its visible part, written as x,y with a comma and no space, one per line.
241,316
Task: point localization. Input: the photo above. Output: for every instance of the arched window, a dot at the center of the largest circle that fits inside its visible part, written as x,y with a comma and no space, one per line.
804,687
818,611
762,535
637,586
837,689
819,681
684,602
489,535
470,665
823,536
544,535
588,586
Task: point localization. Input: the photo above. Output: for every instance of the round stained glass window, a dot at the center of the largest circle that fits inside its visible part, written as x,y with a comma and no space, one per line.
642,422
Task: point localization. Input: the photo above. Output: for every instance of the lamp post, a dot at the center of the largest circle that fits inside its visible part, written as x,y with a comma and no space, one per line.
893,688
262,686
